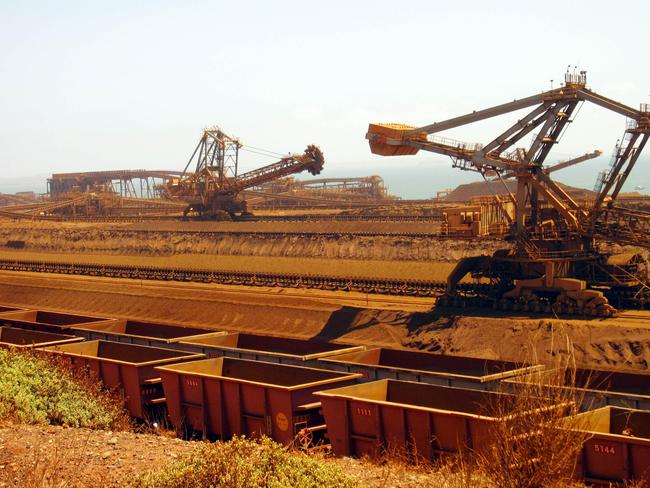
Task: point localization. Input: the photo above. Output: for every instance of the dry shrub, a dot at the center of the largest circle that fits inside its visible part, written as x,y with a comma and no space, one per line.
246,463
635,484
393,467
44,472
536,440
46,468
43,475
396,468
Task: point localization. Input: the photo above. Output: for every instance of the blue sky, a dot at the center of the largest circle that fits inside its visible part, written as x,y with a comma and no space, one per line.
98,85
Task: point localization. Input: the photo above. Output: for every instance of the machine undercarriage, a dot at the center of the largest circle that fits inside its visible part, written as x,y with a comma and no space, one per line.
587,284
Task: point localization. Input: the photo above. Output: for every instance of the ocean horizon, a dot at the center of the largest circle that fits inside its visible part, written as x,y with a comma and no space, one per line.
407,178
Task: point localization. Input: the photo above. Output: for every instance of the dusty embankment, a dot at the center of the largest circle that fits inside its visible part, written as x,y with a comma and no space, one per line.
621,343
32,455
615,343
125,240
49,456
348,268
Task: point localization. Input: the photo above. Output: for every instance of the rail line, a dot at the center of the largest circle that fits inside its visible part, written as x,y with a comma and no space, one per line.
264,218
302,234
347,218
286,280
328,234
299,234
380,286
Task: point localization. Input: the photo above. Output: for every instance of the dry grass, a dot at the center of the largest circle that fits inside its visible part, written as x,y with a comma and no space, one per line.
393,469
539,445
45,471
534,441
536,448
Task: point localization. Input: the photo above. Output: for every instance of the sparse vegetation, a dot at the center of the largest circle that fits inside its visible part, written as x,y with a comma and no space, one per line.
245,463
535,447
534,442
539,446
524,451
37,389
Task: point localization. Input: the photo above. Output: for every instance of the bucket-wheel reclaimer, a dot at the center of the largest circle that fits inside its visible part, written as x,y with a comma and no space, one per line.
555,262
212,190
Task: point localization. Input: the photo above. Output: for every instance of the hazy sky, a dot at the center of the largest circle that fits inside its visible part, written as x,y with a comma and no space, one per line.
97,85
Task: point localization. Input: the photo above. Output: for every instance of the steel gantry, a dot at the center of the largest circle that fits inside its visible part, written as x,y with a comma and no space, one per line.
554,234
212,190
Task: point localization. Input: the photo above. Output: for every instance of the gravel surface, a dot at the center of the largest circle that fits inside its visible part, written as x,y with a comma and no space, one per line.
57,457
49,456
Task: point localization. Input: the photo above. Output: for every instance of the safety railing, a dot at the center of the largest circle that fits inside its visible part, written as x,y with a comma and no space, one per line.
517,154
576,78
464,164
445,141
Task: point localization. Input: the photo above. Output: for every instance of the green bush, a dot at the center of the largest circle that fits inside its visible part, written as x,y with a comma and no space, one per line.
38,390
245,463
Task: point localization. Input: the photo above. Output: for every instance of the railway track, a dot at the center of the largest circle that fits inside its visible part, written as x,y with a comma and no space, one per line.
476,293
266,218
346,218
358,284
279,235
301,234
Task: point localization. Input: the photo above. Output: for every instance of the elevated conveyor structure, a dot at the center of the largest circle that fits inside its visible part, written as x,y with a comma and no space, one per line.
129,183
321,192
